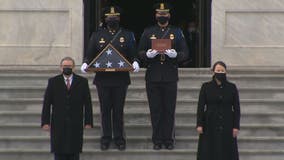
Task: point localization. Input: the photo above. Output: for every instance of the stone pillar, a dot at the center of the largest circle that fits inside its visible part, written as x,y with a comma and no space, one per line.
248,32
40,32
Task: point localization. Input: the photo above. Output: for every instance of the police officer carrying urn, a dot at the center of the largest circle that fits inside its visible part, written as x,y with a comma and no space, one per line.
112,86
162,75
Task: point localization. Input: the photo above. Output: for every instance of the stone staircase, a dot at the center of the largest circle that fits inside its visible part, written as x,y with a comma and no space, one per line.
262,122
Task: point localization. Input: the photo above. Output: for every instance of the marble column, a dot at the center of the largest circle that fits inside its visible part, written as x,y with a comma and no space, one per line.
40,32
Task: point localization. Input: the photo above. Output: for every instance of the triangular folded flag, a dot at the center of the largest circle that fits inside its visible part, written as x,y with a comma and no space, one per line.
110,60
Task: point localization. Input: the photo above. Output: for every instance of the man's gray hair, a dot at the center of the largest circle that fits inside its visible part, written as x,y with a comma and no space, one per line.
67,59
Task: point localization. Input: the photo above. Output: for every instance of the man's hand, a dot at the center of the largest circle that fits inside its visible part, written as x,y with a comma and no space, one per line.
199,130
151,53
87,126
172,53
46,127
135,66
84,67
235,132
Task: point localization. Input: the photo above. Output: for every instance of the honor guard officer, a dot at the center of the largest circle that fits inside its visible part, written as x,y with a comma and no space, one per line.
112,86
162,75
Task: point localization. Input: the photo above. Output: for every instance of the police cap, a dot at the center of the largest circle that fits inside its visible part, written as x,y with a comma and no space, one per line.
162,7
112,11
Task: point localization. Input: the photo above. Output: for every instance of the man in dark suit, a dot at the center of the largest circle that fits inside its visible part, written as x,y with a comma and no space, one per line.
112,86
162,75
67,109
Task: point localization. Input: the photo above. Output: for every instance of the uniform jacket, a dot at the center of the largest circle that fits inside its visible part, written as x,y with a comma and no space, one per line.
124,42
167,70
218,113
67,112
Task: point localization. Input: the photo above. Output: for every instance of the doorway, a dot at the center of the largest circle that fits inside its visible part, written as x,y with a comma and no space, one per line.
139,14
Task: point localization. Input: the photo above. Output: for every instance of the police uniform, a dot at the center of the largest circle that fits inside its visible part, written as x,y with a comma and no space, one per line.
161,79
112,86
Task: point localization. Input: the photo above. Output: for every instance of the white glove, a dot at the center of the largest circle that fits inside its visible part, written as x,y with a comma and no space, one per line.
171,53
135,66
84,67
151,53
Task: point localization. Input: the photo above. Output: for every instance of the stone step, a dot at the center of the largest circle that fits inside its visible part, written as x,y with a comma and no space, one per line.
136,142
198,71
33,129
178,154
184,80
143,117
261,136
112,154
140,93
90,143
141,105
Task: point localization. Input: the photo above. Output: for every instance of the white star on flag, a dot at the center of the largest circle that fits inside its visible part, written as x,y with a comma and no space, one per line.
109,52
108,64
121,64
97,65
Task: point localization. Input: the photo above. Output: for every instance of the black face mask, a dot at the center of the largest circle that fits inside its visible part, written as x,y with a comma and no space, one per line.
163,20
113,23
67,71
221,77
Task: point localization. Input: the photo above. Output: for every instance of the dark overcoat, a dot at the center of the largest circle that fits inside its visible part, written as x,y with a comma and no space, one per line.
218,113
67,111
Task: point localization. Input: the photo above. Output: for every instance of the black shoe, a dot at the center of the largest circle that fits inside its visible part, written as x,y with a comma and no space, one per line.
121,147
104,146
157,146
169,146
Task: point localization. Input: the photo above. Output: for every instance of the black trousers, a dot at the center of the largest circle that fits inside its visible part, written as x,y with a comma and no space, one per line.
112,99
162,102
66,156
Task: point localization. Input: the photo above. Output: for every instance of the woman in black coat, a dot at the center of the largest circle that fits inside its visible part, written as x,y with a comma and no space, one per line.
218,117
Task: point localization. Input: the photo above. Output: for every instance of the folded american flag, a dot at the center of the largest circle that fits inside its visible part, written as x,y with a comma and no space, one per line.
110,60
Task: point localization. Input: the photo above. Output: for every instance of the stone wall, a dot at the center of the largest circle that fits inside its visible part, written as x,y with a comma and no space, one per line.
248,32
40,32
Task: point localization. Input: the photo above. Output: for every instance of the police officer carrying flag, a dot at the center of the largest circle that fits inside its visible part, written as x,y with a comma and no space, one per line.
162,75
112,86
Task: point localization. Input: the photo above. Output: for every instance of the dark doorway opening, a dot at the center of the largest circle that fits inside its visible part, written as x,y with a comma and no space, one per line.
138,14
